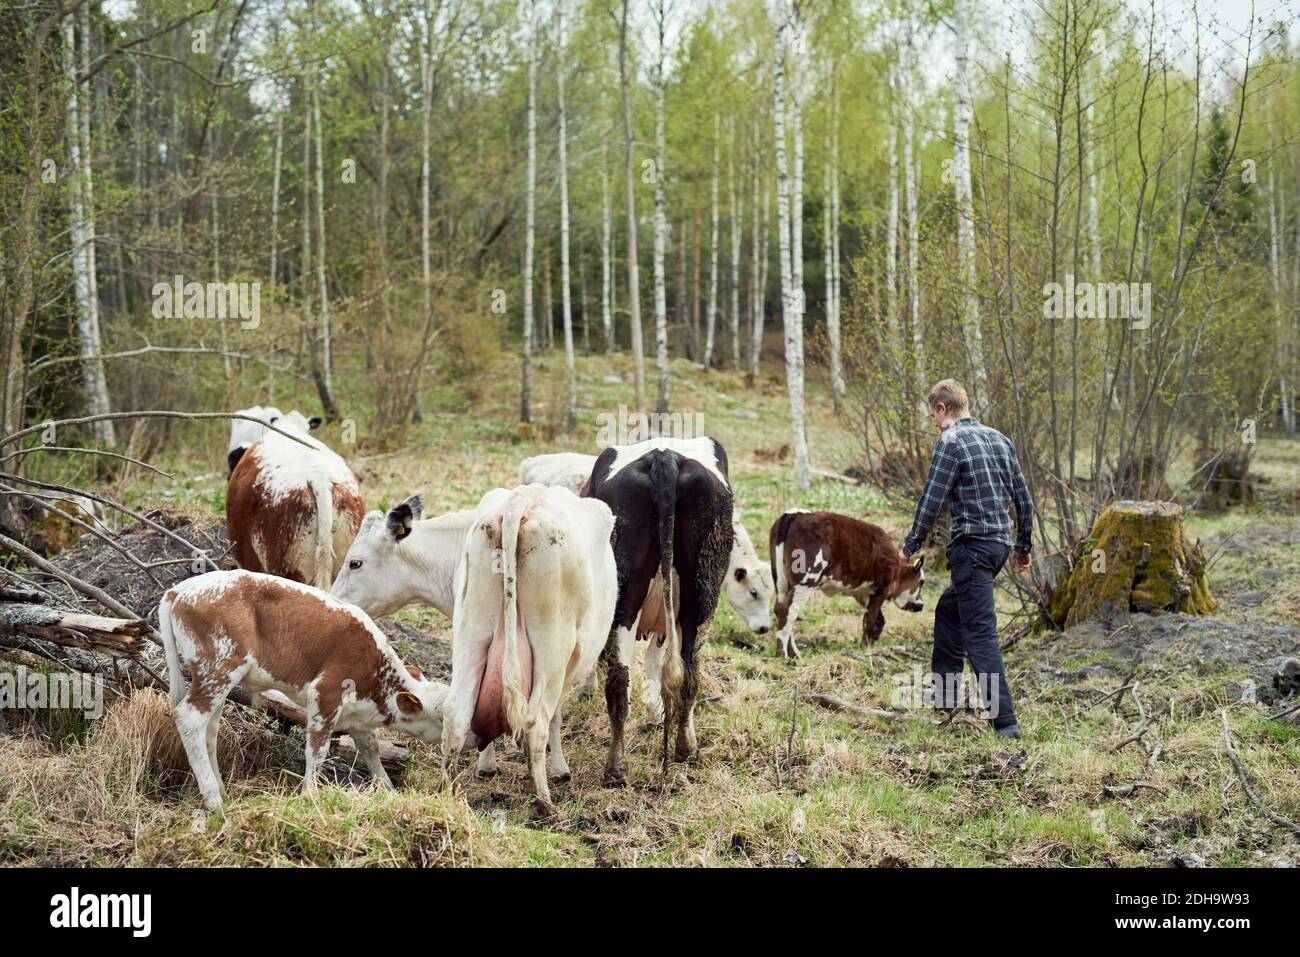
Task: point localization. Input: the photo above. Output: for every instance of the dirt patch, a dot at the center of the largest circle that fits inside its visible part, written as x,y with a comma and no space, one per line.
1165,643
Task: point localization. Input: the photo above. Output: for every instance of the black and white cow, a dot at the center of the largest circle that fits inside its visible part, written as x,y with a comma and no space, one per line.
672,514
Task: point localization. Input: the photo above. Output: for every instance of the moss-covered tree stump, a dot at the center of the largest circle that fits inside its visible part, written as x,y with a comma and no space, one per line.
1138,558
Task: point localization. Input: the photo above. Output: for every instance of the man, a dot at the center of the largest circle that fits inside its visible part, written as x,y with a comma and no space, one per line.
975,472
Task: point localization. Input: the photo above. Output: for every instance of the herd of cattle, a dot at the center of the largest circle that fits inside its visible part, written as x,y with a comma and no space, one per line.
586,556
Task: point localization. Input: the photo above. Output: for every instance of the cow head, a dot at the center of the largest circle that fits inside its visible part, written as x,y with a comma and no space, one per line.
908,579
376,575
748,585
295,421
418,709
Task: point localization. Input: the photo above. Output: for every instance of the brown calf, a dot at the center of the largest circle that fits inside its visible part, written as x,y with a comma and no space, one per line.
839,555
292,510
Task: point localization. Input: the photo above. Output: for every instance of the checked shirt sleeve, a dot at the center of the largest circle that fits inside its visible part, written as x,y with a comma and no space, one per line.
1024,504
943,473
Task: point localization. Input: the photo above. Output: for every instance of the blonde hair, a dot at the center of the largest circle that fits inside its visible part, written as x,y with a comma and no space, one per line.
950,394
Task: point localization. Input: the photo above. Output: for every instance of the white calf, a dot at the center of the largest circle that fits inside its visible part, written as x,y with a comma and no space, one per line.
239,628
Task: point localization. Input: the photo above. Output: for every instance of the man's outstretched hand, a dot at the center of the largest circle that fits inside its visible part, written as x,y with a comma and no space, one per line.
1020,561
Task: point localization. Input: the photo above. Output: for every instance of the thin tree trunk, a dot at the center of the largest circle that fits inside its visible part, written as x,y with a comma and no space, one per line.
966,266
736,204
565,302
755,278
525,412
913,230
81,212
790,312
606,245
327,370
275,199
833,323
1279,313
633,277
712,308
891,240
661,225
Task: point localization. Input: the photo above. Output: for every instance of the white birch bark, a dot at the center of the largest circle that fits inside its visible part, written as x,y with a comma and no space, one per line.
566,305
891,240
913,231
633,271
606,244
322,289
81,213
790,311
737,200
1279,313
966,265
833,323
661,223
530,217
711,309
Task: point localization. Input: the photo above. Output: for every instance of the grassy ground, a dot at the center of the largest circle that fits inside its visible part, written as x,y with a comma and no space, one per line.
780,781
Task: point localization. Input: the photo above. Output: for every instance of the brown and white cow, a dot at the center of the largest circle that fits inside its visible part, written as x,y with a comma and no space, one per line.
838,555
241,629
244,433
292,509
535,594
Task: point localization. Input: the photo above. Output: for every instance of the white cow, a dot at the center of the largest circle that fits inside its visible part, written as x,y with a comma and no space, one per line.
403,559
244,433
559,469
536,584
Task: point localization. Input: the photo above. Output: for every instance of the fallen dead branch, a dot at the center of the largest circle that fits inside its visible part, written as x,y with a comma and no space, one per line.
1255,799
1126,790
119,637
832,703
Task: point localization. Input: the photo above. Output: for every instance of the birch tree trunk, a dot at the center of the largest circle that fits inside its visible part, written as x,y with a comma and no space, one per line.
711,310
633,277
565,300
530,220
661,222
275,198
755,274
606,237
81,213
737,216
833,322
913,230
304,269
790,312
966,266
327,371
891,240
1279,313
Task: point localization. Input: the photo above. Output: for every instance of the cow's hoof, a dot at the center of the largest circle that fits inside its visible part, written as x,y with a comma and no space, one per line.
484,773
544,812
615,777
686,754
564,777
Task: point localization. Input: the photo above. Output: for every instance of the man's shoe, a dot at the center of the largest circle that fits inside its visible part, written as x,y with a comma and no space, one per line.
1008,731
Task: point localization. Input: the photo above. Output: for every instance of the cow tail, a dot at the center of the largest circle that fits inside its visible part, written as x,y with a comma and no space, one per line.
323,573
663,475
512,682
175,677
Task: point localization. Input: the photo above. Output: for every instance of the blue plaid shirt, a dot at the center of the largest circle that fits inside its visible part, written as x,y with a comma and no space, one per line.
975,471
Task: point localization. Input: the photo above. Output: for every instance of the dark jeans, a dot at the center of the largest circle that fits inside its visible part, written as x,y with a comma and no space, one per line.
966,626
